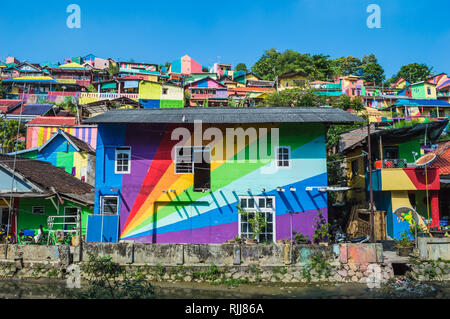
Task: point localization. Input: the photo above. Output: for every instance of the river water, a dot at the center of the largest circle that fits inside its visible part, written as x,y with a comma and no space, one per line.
57,289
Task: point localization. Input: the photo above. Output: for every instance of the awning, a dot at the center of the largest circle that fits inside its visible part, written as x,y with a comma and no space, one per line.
112,85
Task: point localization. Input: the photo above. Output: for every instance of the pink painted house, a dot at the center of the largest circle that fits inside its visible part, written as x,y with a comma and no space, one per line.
185,66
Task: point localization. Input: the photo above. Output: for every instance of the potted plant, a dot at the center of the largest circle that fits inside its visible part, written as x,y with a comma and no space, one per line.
404,245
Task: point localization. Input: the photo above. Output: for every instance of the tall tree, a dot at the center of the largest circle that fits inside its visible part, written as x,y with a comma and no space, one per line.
413,72
348,65
2,91
241,67
373,72
323,70
266,66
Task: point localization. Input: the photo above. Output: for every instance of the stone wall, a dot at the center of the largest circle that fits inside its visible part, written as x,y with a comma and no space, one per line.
226,263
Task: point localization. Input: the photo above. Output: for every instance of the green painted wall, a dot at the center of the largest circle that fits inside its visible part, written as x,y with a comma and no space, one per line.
27,220
405,150
171,104
65,160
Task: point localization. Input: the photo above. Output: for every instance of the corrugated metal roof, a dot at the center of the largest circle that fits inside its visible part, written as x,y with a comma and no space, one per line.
53,120
32,109
412,102
227,115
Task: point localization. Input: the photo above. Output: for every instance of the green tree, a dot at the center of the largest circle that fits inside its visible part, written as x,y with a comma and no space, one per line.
2,91
347,65
294,97
346,103
9,135
413,73
371,58
273,63
241,67
91,89
113,69
266,66
373,72
323,68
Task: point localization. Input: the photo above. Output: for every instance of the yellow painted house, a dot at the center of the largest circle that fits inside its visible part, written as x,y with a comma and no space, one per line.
293,79
160,95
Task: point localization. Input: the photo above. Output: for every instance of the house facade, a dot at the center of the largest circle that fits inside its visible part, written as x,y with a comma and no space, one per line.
42,128
31,191
207,92
67,152
291,80
160,95
162,177
396,180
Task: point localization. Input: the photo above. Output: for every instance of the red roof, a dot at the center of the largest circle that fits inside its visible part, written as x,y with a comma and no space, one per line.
5,105
53,121
442,160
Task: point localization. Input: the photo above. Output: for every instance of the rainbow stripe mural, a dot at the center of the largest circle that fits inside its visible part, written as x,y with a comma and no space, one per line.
156,205
38,135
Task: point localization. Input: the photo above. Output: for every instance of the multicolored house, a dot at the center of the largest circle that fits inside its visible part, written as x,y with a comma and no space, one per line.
396,180
160,95
67,152
71,73
207,92
42,128
178,175
326,88
352,85
423,90
31,191
185,66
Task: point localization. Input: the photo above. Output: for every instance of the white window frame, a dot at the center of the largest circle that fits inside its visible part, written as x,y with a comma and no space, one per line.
102,204
277,148
43,209
122,150
256,208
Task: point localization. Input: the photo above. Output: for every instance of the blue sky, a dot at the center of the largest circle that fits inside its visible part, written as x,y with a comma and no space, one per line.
228,31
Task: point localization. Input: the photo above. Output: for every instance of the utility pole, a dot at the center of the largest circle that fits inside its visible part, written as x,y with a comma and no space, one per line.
372,219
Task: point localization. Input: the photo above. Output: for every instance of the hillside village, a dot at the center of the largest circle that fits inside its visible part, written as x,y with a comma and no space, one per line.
89,153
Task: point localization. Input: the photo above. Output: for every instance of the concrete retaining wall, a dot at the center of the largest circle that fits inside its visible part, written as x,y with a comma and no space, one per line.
35,253
434,248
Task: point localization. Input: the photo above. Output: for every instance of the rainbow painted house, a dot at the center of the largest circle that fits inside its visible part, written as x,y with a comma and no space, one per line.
179,175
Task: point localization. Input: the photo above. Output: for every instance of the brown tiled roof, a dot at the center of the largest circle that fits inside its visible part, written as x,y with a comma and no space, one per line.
82,145
442,160
46,175
353,137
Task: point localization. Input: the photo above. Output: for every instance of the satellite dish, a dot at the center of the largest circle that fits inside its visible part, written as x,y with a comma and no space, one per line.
426,160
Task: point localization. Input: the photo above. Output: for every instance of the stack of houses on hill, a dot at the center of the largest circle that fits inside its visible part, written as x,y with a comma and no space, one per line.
124,156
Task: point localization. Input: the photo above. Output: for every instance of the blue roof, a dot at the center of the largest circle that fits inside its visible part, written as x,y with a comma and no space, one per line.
404,102
36,109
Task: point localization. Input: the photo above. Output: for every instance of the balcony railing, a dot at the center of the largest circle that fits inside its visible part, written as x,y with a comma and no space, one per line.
109,96
395,163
